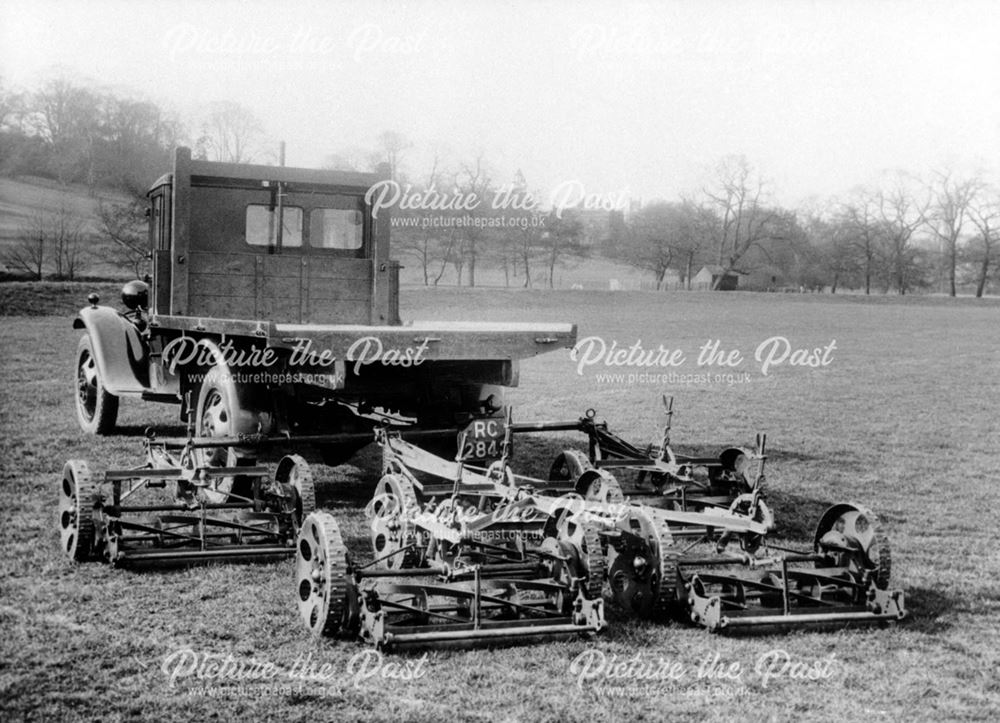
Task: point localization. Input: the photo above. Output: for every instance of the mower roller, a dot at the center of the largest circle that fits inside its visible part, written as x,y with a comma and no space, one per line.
215,511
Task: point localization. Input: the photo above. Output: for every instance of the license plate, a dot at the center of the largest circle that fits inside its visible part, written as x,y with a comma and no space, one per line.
482,439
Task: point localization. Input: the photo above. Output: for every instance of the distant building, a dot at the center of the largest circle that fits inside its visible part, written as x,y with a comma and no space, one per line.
705,280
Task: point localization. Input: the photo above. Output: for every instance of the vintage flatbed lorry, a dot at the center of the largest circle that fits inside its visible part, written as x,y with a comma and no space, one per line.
272,309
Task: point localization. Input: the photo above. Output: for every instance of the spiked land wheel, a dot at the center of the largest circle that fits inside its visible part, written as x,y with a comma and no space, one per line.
77,495
392,509
222,412
295,476
321,576
597,485
96,407
642,576
569,465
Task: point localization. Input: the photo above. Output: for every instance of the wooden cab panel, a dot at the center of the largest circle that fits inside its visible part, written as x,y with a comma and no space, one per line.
282,289
320,271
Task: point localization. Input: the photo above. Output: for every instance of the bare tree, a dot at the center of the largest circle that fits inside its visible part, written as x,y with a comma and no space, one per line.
650,239
30,250
57,236
860,233
420,242
745,221
527,239
391,145
695,235
68,239
831,259
231,133
473,180
902,213
450,254
951,201
562,239
522,242
985,216
125,225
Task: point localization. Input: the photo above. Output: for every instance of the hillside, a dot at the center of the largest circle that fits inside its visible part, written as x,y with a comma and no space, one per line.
23,198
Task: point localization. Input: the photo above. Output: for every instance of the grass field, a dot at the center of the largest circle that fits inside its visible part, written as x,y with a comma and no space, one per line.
903,418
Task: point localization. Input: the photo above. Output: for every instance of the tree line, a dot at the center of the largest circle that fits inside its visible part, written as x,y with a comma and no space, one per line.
73,133
901,234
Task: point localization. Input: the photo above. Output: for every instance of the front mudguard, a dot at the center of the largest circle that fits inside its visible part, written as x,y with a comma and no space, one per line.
120,352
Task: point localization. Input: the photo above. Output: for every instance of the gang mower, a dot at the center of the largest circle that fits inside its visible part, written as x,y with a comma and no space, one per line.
188,503
685,482
463,556
491,555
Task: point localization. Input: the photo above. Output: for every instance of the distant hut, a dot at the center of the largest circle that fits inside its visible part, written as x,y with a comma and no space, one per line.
705,280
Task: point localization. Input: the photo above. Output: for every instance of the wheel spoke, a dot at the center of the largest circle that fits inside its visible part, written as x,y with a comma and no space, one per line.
90,372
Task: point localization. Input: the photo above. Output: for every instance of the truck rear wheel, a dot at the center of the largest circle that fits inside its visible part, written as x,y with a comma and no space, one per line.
223,412
96,408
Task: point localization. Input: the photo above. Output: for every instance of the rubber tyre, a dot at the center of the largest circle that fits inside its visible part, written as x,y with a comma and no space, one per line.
96,408
222,411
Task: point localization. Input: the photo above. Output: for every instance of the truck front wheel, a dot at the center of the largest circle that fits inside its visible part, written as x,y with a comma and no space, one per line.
96,408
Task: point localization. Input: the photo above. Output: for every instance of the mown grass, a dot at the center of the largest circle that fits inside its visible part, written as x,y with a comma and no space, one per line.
902,419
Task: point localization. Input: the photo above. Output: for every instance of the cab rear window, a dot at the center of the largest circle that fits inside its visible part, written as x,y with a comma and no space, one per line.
336,228
262,226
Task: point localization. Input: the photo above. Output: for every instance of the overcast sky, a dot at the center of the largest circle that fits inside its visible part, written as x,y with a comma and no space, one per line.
819,95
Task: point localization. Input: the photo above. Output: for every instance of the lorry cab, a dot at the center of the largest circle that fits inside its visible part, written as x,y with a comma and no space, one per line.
287,270
237,241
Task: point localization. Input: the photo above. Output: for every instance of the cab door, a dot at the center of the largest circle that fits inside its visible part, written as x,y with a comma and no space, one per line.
159,240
